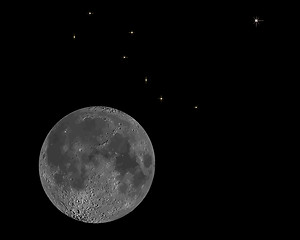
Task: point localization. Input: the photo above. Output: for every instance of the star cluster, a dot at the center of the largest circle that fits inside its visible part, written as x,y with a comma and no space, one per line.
165,67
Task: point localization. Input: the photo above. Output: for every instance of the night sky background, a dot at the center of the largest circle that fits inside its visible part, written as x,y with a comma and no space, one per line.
210,164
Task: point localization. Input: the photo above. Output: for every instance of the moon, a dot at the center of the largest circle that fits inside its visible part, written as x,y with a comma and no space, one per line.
96,164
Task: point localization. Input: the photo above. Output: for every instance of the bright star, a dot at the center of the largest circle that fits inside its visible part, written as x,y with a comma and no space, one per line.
257,20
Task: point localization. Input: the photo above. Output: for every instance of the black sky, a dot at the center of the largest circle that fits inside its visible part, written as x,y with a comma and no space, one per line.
205,54
188,53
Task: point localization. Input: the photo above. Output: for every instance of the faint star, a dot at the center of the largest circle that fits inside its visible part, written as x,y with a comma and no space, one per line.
257,20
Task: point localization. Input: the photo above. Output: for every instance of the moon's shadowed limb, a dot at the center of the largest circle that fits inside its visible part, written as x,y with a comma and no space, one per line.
104,143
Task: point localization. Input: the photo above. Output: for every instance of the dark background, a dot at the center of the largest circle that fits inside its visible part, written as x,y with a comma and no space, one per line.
212,170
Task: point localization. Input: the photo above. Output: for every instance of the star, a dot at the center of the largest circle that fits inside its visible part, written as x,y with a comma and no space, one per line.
90,13
196,107
74,36
124,57
146,79
161,99
257,20
131,32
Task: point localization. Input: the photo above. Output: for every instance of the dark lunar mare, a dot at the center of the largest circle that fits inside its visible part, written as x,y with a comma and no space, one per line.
69,168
